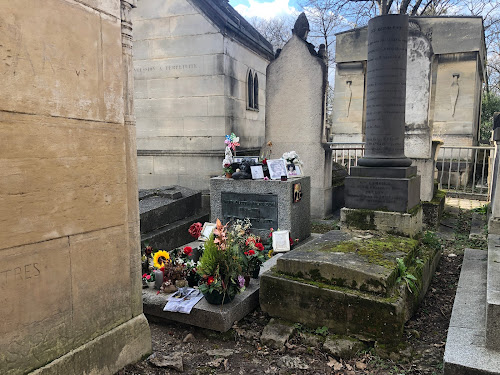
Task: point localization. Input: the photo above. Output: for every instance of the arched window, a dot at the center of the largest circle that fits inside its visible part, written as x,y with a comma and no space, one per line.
256,92
250,89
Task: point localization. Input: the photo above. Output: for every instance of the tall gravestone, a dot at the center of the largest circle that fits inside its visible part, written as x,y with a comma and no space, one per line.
384,179
295,113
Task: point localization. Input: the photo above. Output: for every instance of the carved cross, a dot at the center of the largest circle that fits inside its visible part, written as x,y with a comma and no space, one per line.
384,9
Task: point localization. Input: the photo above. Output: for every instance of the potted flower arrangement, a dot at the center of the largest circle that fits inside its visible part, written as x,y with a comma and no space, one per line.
220,268
186,257
149,279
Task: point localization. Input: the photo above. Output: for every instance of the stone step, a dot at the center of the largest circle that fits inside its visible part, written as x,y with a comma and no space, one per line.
166,205
355,266
466,351
493,293
175,234
214,317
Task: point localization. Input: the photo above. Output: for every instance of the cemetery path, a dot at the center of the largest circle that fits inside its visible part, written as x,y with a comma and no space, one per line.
239,351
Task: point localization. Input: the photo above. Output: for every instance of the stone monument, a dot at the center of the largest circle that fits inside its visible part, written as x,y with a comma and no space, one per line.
70,282
295,113
384,179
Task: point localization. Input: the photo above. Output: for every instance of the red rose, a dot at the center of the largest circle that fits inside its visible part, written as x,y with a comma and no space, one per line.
210,280
144,275
251,252
195,230
148,277
246,253
148,250
291,242
259,246
188,250
249,241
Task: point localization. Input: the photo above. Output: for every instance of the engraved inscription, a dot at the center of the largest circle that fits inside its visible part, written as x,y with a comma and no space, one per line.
20,273
261,209
164,68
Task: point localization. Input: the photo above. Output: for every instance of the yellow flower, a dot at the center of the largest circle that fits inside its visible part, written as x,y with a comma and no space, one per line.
160,258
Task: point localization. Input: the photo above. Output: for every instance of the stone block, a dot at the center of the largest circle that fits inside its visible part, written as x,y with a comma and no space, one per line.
204,44
162,206
386,172
493,294
276,333
106,354
214,317
150,9
382,193
394,222
432,211
66,53
327,260
76,182
292,216
343,347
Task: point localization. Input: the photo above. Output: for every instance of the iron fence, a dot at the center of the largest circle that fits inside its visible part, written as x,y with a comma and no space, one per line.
347,154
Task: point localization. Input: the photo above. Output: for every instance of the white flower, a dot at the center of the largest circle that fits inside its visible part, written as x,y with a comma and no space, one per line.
179,261
190,263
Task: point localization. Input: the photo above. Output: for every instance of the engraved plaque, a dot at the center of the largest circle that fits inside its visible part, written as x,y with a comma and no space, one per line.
386,91
261,209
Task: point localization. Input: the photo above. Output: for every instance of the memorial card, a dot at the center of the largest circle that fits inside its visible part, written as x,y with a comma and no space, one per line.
281,241
293,170
206,231
257,172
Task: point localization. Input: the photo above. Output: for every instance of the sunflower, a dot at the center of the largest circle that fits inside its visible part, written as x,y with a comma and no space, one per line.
160,258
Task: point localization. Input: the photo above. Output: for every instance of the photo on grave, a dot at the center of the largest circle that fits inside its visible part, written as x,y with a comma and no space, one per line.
293,170
281,241
277,168
206,231
257,172
297,192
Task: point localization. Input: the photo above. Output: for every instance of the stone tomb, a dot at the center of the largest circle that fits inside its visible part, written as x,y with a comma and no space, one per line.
167,213
347,282
268,204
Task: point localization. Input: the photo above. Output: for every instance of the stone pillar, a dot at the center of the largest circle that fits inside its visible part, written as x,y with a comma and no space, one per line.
386,92
494,220
385,180
131,155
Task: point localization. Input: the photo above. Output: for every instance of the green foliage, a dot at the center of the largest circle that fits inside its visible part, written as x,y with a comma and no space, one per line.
322,331
431,240
489,105
408,278
483,209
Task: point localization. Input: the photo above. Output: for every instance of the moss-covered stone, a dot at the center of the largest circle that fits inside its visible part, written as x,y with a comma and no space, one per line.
361,219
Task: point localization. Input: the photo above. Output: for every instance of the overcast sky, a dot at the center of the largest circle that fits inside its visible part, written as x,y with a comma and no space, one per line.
264,8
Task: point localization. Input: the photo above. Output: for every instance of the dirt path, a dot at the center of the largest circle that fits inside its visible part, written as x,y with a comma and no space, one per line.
240,352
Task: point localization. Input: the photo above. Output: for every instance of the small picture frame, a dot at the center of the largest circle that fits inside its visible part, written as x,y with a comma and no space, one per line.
293,170
239,159
277,168
257,172
297,193
281,241
206,231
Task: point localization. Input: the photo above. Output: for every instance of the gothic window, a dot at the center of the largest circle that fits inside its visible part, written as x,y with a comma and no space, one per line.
256,92
250,90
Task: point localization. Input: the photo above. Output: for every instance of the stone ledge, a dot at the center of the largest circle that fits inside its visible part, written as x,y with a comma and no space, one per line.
106,354
386,221
205,315
493,294
466,352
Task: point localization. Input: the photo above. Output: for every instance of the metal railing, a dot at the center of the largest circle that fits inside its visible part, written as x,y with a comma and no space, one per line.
465,171
347,154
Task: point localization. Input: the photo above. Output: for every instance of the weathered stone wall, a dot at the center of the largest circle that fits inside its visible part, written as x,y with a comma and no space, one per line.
69,250
458,48
190,92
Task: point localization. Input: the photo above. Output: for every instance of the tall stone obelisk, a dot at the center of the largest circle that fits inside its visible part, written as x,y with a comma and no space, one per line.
384,179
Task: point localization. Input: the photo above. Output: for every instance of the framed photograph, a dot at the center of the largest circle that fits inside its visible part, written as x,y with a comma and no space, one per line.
206,231
281,241
297,193
257,172
277,168
239,159
293,170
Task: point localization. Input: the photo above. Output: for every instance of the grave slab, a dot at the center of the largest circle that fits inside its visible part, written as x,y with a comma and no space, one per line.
316,301
204,315
466,351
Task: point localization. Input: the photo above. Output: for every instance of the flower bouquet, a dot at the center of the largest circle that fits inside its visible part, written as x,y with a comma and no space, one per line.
220,268
149,278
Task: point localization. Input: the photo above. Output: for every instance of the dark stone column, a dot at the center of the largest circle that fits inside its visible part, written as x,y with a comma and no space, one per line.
386,92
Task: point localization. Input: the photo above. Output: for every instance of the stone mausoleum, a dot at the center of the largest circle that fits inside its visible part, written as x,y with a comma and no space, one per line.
446,69
200,73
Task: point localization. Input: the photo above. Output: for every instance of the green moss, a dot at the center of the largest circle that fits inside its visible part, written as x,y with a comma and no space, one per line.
361,219
438,197
389,299
376,250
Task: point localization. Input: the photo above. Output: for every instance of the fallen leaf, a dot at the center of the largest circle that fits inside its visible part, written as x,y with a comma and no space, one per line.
360,365
226,364
348,366
334,364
